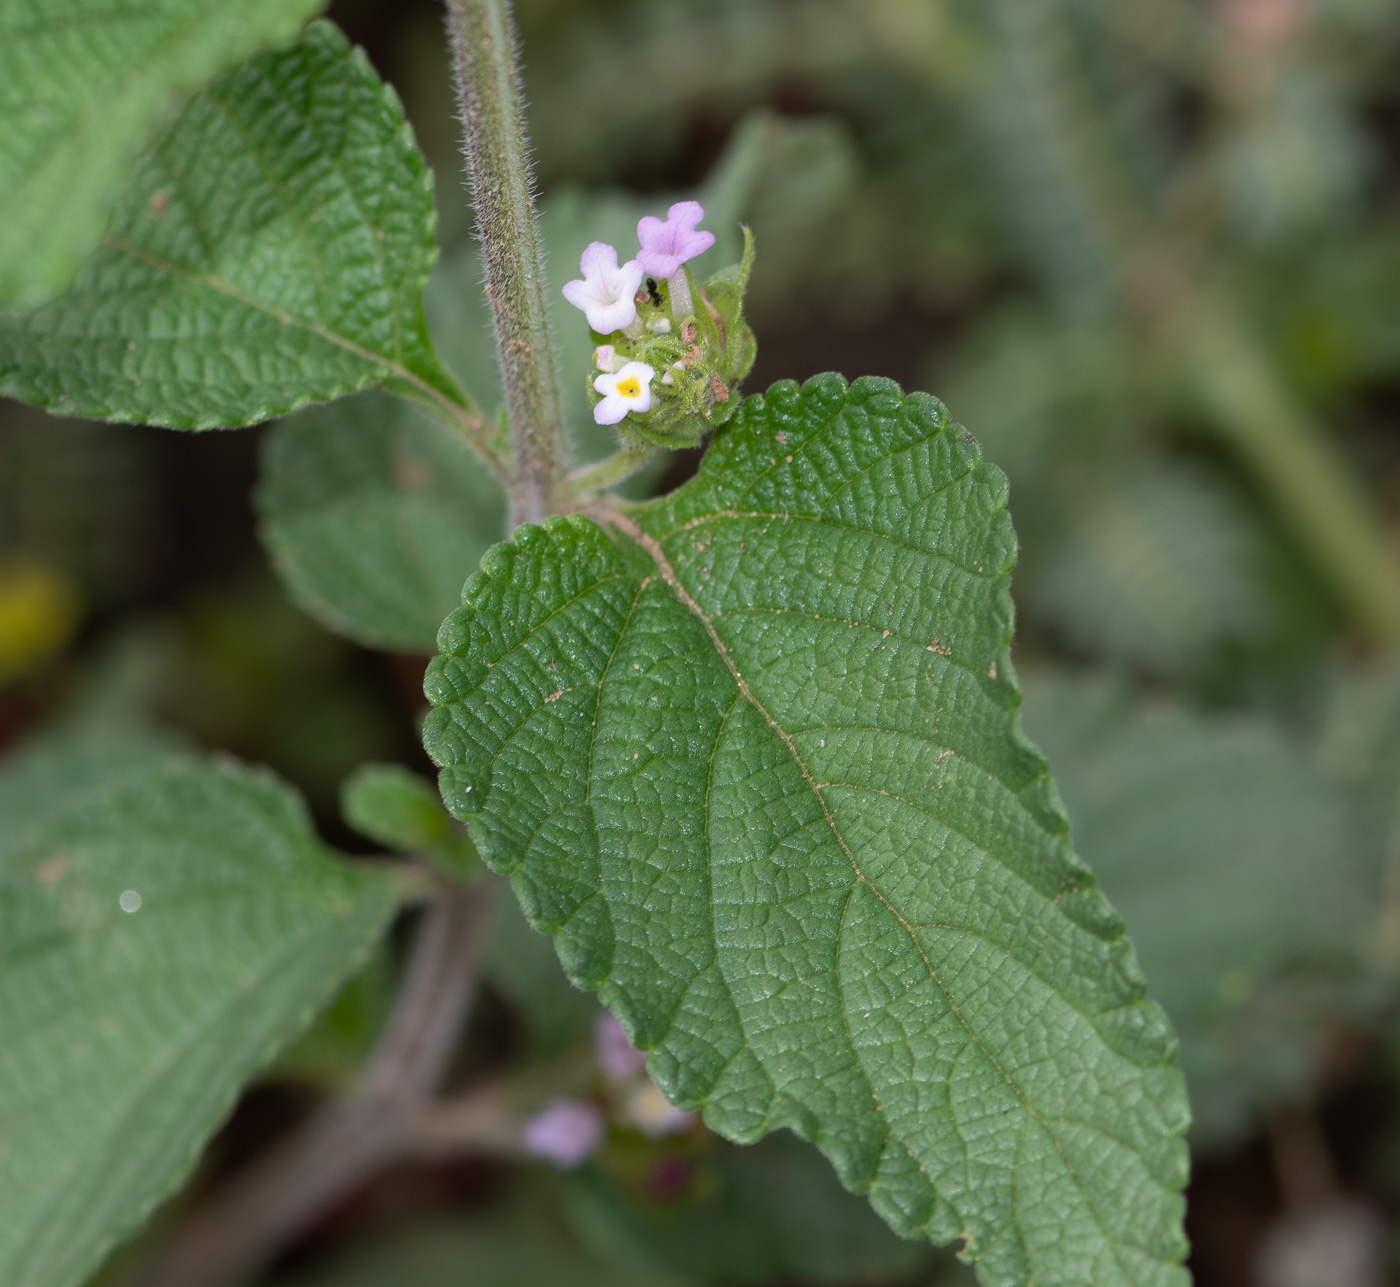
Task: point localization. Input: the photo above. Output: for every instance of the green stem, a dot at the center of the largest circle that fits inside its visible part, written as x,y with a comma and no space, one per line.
482,33
588,482
1317,494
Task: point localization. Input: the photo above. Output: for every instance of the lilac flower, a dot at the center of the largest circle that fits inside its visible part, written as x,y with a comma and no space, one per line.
606,293
627,390
614,1053
605,358
666,246
565,1133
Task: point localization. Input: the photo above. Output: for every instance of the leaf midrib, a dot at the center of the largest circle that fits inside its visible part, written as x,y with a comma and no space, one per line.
613,516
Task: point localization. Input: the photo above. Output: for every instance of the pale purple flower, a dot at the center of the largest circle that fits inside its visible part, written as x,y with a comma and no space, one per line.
627,390
614,1053
666,246
565,1133
607,292
605,358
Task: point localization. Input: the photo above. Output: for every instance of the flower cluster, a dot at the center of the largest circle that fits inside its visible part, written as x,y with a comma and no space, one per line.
647,312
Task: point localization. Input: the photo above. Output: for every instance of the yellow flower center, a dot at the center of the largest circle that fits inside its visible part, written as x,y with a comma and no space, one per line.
629,388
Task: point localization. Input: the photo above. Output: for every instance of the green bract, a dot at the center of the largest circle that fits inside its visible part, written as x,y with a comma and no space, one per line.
82,82
271,251
753,757
166,924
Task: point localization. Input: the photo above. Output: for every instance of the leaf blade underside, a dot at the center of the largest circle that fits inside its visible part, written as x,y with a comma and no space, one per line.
755,761
270,252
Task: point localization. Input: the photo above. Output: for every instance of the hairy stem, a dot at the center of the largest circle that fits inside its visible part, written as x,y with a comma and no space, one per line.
482,35
248,1222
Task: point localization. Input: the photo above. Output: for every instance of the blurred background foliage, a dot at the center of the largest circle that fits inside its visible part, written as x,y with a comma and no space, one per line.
1149,254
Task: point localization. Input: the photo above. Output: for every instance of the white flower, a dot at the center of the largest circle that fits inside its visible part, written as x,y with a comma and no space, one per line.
605,358
606,293
628,390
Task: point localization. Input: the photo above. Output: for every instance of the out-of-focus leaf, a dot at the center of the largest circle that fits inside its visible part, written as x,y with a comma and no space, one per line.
1129,555
1159,567
166,923
1237,871
270,251
525,1247
374,516
82,82
725,1215
1293,161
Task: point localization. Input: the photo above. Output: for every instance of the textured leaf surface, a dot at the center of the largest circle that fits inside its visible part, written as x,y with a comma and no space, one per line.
1239,874
755,761
374,516
128,1032
270,251
82,83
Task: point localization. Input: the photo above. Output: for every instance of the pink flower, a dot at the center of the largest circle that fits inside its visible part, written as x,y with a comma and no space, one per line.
614,1053
627,390
606,293
565,1133
666,246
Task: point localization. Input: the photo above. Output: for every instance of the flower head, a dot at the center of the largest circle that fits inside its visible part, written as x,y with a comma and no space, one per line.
666,246
627,390
606,293
565,1133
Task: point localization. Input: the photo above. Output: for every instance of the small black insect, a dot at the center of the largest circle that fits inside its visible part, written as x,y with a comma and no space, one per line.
653,291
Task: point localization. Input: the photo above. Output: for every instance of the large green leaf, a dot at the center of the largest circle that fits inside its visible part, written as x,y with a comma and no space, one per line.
270,251
374,516
82,83
166,923
755,761
1240,874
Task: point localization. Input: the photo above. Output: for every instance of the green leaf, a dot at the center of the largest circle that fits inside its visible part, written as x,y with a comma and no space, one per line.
755,762
1159,566
1239,875
166,924
374,515
393,805
271,251
82,84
